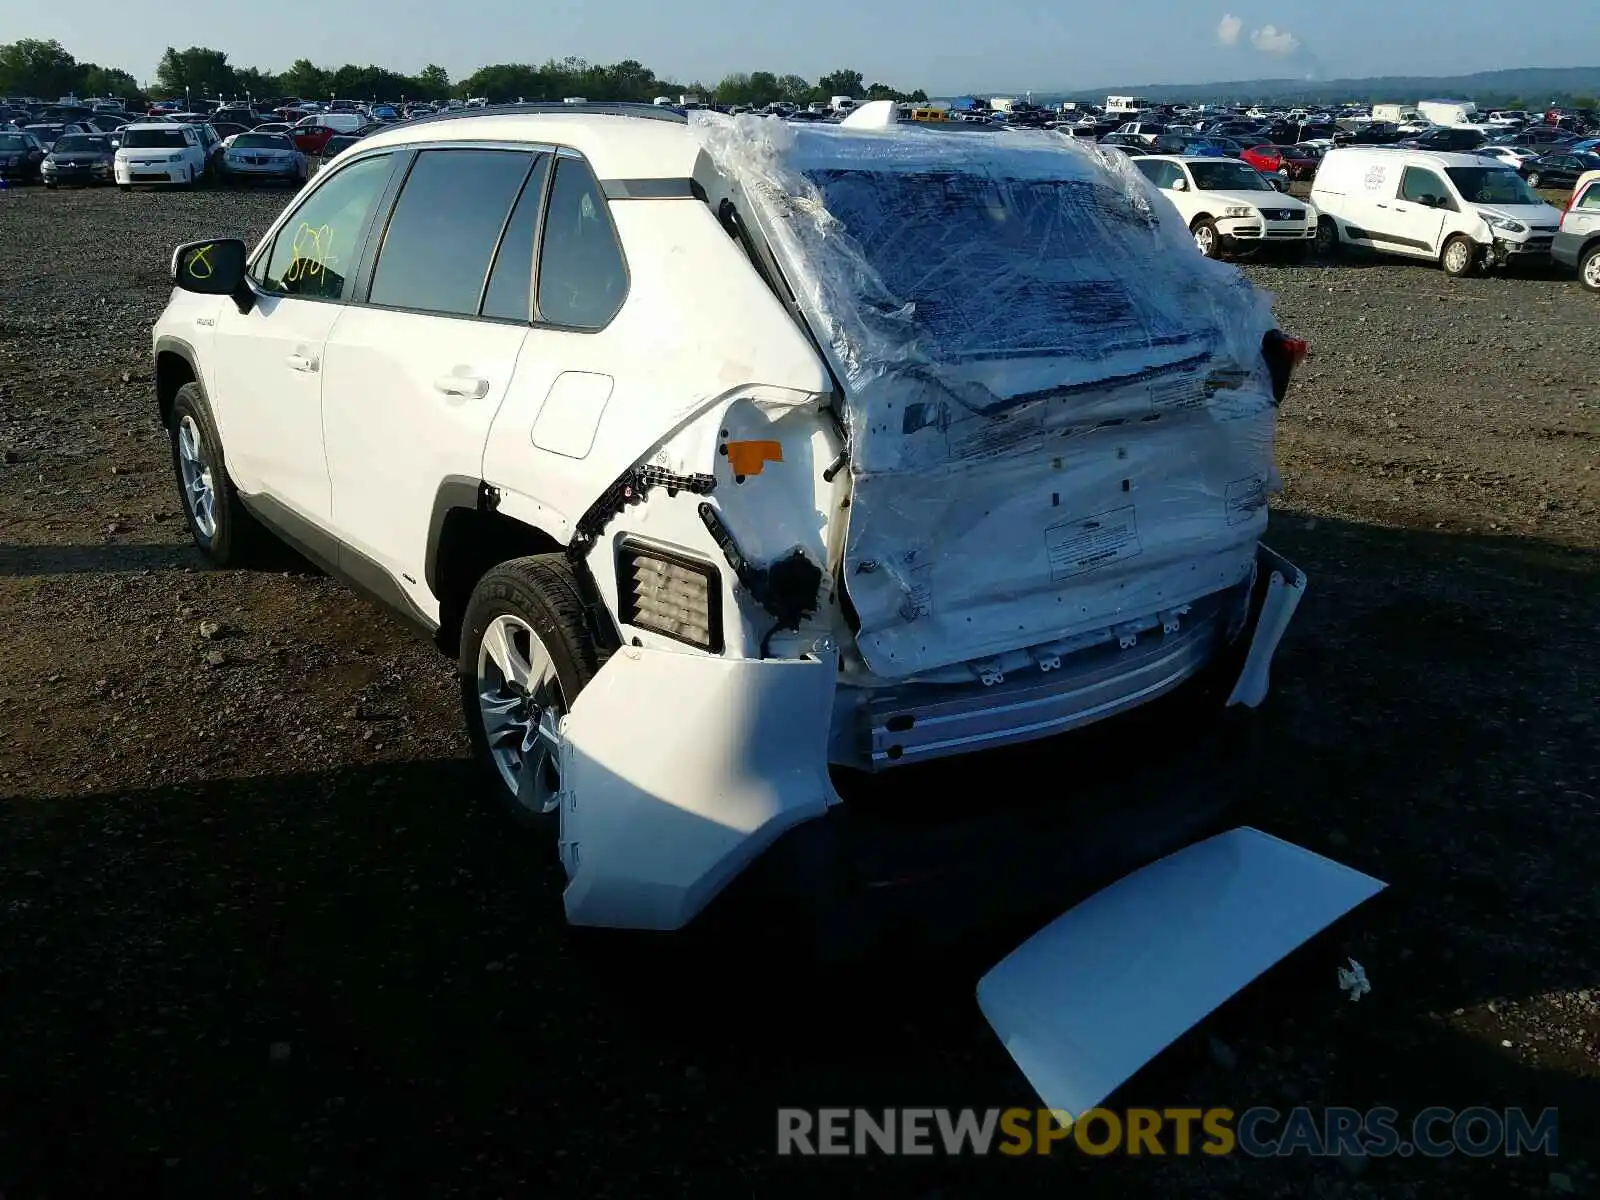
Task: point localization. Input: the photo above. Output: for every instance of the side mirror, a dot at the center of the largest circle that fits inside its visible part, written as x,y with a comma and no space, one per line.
1180,185
1428,201
1278,185
213,268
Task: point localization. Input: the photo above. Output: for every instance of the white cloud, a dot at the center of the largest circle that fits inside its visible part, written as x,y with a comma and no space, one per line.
1271,40
1228,29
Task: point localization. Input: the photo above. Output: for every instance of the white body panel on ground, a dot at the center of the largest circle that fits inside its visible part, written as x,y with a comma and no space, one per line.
1108,985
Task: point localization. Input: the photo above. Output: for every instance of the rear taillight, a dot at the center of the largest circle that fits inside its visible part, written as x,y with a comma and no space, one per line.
1283,354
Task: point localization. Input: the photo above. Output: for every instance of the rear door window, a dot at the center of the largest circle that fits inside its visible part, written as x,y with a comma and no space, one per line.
446,225
583,278
510,292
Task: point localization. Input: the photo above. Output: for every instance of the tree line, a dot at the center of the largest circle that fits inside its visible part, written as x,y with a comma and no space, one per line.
34,67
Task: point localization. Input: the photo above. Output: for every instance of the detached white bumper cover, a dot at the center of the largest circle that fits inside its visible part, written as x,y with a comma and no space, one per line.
678,770
1099,992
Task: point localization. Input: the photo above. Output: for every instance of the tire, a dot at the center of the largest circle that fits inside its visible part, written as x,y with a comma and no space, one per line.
1206,237
534,608
1328,244
49,187
1459,256
218,521
1589,269
1533,180
124,187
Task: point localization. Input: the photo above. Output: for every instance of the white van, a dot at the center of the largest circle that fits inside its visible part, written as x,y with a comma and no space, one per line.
1457,209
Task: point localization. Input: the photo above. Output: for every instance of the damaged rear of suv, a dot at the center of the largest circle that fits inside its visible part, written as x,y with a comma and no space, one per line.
726,454
1024,495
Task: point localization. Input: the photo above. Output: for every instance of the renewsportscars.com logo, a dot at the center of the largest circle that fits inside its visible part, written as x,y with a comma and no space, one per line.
1256,1132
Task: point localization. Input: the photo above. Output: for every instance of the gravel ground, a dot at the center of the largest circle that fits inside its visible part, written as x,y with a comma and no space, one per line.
256,938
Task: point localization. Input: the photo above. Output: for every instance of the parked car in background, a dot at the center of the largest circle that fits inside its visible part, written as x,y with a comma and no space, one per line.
254,157
1228,205
161,152
311,139
1460,210
1445,141
1513,156
79,158
1577,242
1289,162
1559,170
21,156
227,130
46,134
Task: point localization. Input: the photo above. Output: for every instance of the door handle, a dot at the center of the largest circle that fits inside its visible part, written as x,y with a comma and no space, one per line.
472,386
302,362
1383,206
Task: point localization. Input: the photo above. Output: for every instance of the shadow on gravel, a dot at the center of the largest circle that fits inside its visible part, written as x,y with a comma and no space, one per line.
359,981
19,562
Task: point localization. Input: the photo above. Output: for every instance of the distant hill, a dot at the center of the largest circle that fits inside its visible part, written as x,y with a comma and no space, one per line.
1535,85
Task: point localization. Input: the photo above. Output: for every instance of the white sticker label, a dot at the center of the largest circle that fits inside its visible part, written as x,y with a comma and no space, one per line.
1076,547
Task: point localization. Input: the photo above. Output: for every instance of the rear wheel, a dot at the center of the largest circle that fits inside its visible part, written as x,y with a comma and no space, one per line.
1459,257
1589,269
1328,243
526,653
1533,179
1206,237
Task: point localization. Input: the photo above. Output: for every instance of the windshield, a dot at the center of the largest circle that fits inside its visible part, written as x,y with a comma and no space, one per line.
1227,176
262,141
11,141
153,139
1491,185
79,141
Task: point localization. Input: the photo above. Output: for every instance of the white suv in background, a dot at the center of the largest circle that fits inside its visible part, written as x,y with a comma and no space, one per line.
1229,205
161,152
1577,243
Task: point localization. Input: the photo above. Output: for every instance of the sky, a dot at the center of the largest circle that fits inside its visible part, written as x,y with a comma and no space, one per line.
943,46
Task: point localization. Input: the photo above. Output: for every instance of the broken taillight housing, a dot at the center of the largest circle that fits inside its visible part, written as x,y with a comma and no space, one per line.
1283,354
675,595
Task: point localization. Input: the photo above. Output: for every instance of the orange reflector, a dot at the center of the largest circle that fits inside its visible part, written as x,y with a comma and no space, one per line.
748,458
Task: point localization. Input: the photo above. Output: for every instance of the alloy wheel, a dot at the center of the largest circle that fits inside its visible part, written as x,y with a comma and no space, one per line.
199,488
521,706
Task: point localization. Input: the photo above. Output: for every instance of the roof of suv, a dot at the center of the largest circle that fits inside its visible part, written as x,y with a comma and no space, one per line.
618,145
1437,158
157,125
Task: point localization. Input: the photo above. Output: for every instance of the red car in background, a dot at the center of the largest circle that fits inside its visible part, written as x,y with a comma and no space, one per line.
310,139
1290,162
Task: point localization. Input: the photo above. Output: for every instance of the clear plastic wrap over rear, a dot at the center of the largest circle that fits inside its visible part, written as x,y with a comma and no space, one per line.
1059,417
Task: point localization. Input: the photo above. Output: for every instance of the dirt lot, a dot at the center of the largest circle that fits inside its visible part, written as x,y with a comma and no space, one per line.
256,937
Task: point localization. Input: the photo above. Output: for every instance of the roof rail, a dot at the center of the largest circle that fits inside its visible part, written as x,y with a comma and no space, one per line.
607,108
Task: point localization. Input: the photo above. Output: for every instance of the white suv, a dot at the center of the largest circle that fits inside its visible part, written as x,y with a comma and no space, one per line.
707,494
161,152
1229,205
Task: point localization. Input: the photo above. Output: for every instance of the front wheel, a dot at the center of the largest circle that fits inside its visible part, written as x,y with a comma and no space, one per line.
526,653
216,518
1589,269
1206,237
1459,257
1534,179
